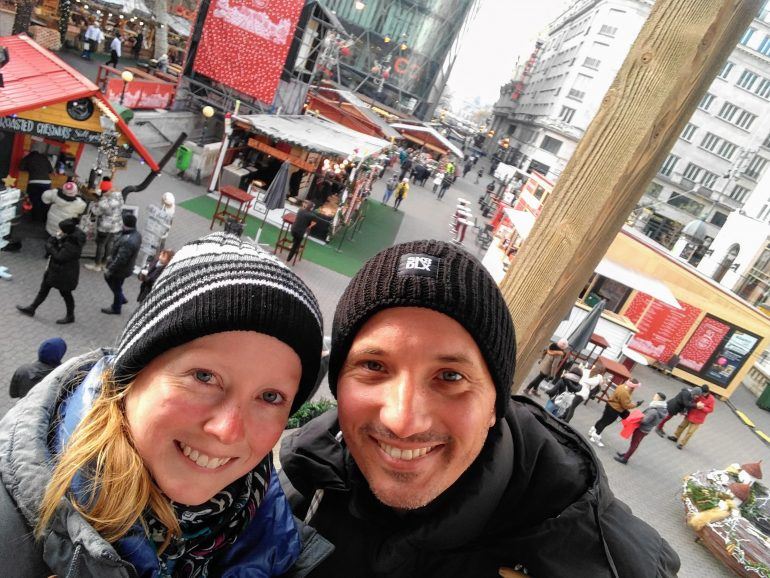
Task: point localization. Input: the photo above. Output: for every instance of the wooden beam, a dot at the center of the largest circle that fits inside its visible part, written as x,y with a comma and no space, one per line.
677,54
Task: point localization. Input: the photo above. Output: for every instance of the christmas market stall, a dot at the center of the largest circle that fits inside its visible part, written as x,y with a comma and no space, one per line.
427,137
329,166
47,108
345,108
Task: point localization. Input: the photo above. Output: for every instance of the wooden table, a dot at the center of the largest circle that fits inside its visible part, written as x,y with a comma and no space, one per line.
229,193
619,373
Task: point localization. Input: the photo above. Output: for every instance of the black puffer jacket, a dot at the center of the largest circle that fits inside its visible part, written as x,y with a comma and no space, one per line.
124,251
63,270
535,499
682,401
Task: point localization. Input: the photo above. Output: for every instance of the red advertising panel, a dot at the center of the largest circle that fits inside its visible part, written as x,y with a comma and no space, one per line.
662,329
637,306
703,343
141,93
245,42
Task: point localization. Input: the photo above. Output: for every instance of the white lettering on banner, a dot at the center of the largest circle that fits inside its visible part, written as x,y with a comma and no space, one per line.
250,20
45,129
419,263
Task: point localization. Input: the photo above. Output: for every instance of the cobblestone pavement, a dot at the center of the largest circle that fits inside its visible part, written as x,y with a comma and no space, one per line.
650,483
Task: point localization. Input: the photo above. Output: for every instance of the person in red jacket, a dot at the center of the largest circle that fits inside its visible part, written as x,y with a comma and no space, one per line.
704,405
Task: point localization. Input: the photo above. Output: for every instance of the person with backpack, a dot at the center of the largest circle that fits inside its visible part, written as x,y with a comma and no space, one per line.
446,182
65,204
592,380
401,191
549,365
49,356
650,418
562,396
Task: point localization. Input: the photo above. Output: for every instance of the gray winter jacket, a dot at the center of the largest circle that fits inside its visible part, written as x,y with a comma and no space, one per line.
653,415
70,548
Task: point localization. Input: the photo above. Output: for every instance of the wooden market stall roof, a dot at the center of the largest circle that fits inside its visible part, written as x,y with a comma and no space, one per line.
428,136
314,134
35,78
346,108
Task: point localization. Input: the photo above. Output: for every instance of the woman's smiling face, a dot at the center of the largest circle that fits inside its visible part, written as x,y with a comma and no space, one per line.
205,413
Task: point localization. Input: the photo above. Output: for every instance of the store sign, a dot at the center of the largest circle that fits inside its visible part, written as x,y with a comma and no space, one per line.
662,328
140,94
730,357
48,130
244,44
703,344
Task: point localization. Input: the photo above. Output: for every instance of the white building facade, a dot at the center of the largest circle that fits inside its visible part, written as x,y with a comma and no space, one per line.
716,162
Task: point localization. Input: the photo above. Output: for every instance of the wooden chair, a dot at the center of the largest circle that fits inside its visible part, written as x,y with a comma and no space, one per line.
285,240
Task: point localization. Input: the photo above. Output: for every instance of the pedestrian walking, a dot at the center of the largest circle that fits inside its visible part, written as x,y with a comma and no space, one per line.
650,418
390,186
115,46
150,274
305,217
619,405
93,37
562,396
592,379
401,191
109,222
154,458
479,174
39,170
64,204
695,417
63,269
446,182
26,376
552,357
437,181
406,168
682,403
120,264
136,48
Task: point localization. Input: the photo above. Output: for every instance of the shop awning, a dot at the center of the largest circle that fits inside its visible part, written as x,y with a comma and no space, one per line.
126,6
35,77
522,220
344,108
315,134
179,25
428,135
638,281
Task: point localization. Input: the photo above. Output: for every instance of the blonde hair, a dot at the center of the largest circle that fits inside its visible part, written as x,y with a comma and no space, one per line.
118,488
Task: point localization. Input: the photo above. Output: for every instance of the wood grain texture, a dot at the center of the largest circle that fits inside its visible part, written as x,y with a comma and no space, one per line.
676,56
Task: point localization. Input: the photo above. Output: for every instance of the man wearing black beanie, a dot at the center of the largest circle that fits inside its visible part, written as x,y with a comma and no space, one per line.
120,264
429,467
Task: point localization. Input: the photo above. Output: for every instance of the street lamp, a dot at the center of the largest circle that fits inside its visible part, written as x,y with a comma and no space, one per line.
127,77
207,112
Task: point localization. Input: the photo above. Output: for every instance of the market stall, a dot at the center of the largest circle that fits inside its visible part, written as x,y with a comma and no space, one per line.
426,136
329,165
345,108
49,107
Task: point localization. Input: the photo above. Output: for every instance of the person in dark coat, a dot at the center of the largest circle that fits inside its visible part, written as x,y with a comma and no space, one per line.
39,169
304,218
682,402
568,383
49,356
120,264
406,167
445,184
428,467
149,275
63,269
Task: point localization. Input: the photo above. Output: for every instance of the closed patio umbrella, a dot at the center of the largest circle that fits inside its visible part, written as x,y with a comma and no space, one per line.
579,337
276,194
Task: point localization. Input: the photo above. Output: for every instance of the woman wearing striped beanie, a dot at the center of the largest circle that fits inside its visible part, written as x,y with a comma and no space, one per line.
157,455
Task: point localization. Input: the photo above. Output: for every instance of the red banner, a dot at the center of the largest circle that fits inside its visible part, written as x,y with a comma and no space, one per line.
245,42
662,329
702,344
141,93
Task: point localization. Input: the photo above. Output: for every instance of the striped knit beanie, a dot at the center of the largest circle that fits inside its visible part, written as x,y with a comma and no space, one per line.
217,284
434,275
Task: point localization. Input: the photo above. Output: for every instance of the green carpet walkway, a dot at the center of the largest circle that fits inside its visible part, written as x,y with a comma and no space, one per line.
377,232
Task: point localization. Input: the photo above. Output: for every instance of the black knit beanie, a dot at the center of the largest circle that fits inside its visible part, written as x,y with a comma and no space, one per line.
217,284
434,275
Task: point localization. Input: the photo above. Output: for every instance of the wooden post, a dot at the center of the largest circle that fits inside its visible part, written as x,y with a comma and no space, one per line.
677,54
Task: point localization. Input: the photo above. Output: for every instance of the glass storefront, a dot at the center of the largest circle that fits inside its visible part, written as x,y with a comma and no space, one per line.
401,47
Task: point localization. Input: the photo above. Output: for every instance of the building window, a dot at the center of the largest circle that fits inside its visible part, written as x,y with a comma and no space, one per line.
688,132
551,145
747,79
710,142
766,144
727,150
739,193
762,89
745,120
567,113
708,179
718,219
668,165
686,204
706,101
726,69
727,112
592,63
576,94
737,116
764,46
747,35
756,167
654,190
692,172
610,31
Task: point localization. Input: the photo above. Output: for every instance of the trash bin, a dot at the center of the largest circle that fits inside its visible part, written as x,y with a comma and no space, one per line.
184,157
763,400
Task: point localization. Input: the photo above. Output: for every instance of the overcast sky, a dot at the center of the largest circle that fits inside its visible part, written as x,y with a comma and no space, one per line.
502,31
